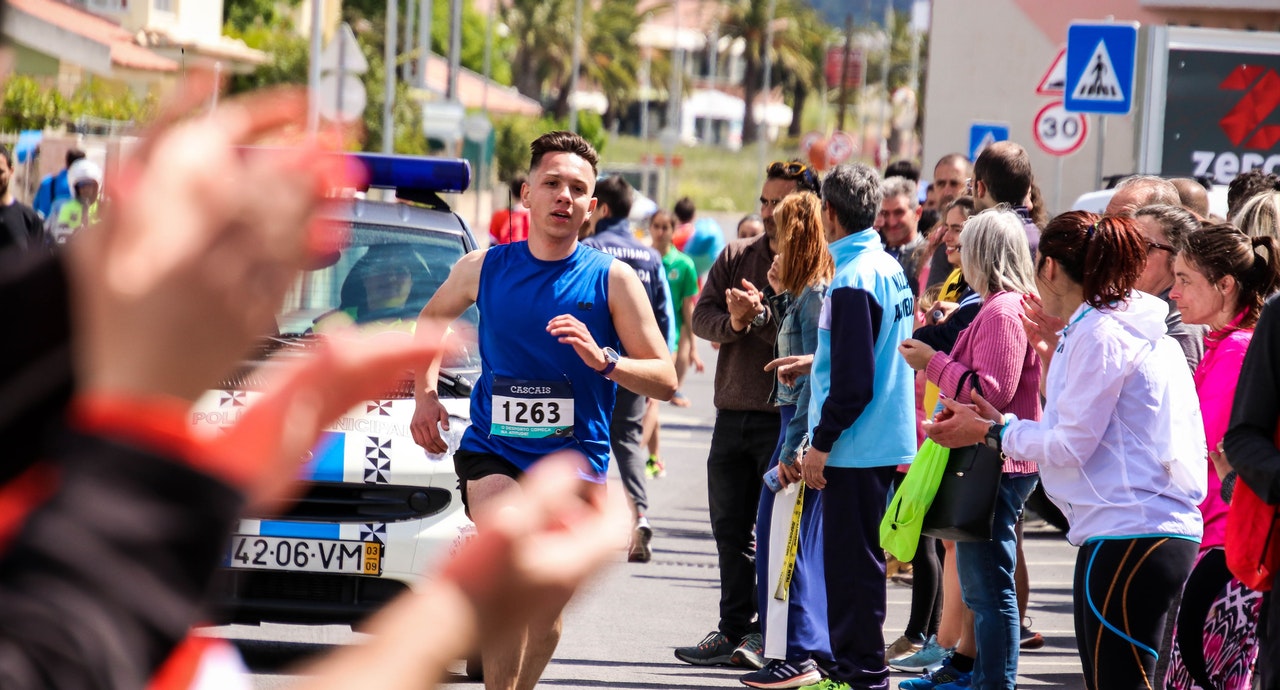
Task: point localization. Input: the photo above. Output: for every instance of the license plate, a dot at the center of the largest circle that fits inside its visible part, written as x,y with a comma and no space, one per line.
250,552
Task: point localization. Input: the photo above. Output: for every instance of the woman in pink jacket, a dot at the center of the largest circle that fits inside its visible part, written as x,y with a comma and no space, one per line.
997,265
1220,280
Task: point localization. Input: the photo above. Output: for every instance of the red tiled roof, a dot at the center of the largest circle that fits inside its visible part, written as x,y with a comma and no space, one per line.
502,99
124,51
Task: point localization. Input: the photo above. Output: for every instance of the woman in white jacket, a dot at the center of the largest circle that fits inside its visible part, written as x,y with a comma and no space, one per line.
1120,447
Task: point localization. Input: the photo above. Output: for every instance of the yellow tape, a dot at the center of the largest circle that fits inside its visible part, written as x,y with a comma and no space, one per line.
793,545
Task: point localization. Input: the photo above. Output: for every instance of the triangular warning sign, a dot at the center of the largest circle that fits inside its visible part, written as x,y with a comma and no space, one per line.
1098,81
1054,81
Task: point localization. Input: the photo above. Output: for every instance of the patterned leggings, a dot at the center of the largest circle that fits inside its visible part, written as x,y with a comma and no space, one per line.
1216,638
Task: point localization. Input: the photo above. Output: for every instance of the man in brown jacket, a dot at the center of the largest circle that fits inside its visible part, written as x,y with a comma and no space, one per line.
732,311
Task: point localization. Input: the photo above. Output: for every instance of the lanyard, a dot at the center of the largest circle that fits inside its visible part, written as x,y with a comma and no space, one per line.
1062,343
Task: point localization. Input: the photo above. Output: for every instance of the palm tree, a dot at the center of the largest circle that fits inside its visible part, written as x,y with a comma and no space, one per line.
749,21
610,57
543,54
800,62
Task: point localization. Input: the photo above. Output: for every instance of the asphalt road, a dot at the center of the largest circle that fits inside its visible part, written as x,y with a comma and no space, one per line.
621,629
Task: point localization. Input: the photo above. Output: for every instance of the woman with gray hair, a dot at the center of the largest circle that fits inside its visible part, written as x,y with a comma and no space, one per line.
997,264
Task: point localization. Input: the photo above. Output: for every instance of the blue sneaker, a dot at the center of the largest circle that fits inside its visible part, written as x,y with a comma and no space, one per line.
928,658
947,677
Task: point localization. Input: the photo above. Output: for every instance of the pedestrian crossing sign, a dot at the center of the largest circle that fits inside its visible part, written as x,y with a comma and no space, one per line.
984,134
1100,67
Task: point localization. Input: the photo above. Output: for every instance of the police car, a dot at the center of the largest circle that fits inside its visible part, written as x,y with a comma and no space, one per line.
377,510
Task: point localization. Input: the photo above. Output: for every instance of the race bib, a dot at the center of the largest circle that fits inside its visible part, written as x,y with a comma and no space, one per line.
531,409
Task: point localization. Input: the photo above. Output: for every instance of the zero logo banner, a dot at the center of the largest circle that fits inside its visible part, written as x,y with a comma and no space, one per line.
1261,97
1222,114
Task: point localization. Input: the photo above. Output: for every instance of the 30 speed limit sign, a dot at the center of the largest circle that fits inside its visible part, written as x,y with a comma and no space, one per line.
1058,132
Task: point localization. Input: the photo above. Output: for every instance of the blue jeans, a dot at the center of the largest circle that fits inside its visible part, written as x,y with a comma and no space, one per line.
986,580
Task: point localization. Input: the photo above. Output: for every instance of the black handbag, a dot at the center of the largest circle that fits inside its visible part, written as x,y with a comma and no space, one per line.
965,505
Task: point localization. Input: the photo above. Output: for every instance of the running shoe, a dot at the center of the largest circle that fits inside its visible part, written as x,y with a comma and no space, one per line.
640,538
947,676
750,652
929,657
714,650
902,647
654,467
679,400
1030,638
783,674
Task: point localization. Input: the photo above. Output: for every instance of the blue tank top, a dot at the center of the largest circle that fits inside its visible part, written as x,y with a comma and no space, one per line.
535,396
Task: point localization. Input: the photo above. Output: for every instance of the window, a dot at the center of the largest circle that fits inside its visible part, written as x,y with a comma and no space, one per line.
108,5
162,5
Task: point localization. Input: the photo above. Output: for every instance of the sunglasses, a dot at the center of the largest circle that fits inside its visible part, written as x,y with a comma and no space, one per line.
789,169
1152,246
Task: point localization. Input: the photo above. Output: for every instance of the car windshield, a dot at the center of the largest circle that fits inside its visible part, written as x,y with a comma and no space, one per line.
380,282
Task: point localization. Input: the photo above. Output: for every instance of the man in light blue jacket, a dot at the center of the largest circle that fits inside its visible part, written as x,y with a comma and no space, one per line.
863,417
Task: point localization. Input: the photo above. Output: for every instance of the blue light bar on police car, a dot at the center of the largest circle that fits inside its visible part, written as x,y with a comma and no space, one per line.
415,172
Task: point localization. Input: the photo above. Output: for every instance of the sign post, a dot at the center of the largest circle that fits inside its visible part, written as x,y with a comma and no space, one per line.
1101,58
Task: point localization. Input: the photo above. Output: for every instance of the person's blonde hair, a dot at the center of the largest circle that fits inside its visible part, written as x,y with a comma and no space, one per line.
1260,215
805,258
994,253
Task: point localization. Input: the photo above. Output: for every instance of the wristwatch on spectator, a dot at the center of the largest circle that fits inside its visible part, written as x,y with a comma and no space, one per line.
760,320
992,439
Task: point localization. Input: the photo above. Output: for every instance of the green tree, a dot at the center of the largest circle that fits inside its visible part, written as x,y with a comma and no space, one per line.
800,57
242,14
473,32
749,21
541,52
290,54
406,114
29,105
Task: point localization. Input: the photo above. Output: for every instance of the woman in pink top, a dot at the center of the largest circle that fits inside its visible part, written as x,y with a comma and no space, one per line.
997,264
1220,280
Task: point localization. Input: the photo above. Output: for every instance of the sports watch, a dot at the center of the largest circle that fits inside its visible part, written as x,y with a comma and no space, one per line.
992,439
610,361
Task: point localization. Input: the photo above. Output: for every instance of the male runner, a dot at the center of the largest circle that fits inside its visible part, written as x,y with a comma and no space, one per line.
552,313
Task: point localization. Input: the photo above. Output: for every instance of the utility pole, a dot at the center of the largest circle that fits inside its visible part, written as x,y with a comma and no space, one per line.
313,71
455,47
762,131
424,41
713,55
864,97
916,9
406,70
884,78
389,88
845,59
576,66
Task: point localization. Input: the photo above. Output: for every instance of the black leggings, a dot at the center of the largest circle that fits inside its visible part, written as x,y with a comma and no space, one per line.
926,589
1129,584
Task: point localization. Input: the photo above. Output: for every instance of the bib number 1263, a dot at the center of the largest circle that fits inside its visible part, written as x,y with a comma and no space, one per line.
531,409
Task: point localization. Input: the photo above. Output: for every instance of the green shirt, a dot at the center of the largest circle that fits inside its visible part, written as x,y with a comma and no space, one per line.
682,281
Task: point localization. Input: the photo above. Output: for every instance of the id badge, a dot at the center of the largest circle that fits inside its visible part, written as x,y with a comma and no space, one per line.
531,409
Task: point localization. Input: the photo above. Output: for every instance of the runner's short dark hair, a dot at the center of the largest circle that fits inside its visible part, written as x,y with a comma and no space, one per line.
561,141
